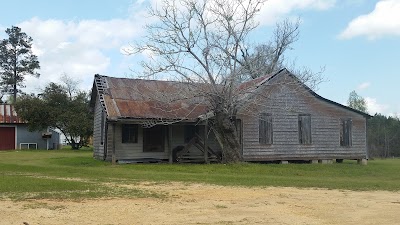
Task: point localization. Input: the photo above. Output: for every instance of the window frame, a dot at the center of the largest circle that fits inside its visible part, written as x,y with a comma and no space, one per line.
129,133
346,130
304,130
265,129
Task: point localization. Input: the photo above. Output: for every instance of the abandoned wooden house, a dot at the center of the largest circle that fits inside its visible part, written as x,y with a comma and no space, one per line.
283,120
14,133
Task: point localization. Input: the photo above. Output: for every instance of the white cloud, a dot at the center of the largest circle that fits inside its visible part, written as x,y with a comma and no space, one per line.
363,86
374,107
79,48
384,20
273,10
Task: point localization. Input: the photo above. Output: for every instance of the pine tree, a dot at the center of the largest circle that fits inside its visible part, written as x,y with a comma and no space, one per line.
16,60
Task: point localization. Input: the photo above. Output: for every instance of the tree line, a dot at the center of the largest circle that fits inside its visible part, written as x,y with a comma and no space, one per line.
383,132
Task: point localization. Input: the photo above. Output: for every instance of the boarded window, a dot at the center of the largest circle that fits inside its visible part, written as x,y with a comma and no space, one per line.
190,132
129,133
345,132
305,129
265,129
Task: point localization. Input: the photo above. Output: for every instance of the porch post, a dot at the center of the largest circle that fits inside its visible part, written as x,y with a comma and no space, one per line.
205,142
113,158
169,138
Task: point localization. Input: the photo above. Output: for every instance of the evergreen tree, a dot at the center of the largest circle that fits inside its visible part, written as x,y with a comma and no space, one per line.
16,59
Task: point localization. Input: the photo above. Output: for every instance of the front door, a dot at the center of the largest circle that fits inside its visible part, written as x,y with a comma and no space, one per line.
7,138
153,139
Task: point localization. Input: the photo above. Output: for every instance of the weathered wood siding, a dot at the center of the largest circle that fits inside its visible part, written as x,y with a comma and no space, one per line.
285,100
130,150
135,150
98,151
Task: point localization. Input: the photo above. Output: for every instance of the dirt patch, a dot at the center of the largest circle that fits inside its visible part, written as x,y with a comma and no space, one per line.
209,204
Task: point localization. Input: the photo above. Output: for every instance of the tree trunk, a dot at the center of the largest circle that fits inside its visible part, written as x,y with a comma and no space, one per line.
74,145
226,133
15,94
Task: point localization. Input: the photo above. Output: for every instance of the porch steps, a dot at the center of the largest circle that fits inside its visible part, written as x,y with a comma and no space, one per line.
186,156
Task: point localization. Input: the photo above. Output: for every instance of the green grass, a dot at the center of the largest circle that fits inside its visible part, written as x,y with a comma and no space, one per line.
73,174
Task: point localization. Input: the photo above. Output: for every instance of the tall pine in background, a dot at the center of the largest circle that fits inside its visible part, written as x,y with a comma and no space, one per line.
16,60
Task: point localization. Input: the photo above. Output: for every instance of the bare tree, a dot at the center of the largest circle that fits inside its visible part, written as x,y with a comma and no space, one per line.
69,84
270,57
203,45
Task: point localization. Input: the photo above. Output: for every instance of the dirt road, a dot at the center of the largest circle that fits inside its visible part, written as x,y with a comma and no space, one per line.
208,204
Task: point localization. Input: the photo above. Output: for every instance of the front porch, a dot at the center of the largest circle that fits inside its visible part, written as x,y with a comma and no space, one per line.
173,143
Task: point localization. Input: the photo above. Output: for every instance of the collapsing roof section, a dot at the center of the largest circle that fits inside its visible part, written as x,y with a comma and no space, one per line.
124,98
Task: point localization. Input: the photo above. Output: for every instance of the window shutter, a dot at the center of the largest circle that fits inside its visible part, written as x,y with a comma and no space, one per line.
265,131
305,129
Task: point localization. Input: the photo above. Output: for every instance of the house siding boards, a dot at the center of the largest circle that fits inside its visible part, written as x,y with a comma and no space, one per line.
129,151
25,136
98,152
285,106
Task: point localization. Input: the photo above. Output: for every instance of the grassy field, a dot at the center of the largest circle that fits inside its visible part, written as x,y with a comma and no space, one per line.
75,175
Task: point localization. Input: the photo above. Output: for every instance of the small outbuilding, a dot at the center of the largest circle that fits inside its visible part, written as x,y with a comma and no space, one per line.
14,133
283,120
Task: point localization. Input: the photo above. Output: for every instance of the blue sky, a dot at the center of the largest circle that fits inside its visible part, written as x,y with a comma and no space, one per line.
357,41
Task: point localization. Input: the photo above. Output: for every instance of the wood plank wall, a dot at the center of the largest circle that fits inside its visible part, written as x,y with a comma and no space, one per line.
285,100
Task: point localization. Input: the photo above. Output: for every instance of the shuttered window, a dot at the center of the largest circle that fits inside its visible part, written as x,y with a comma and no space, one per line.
129,133
345,132
305,129
265,129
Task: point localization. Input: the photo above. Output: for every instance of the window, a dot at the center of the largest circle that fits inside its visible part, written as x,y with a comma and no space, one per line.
28,145
304,129
265,129
345,132
190,132
129,133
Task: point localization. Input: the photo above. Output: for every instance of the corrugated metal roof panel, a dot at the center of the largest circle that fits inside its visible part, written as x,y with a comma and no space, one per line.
152,99
8,114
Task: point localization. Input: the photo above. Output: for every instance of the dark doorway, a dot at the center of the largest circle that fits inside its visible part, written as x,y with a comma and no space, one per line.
153,139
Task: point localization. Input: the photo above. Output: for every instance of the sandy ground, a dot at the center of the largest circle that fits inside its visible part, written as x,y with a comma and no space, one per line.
208,204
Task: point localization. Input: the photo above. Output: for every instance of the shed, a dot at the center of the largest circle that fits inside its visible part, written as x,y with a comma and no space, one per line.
14,133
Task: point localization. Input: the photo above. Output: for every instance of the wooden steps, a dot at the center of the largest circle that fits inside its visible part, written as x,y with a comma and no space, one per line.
188,153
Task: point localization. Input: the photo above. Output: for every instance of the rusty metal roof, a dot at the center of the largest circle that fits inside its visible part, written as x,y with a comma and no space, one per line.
8,114
125,98
254,83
